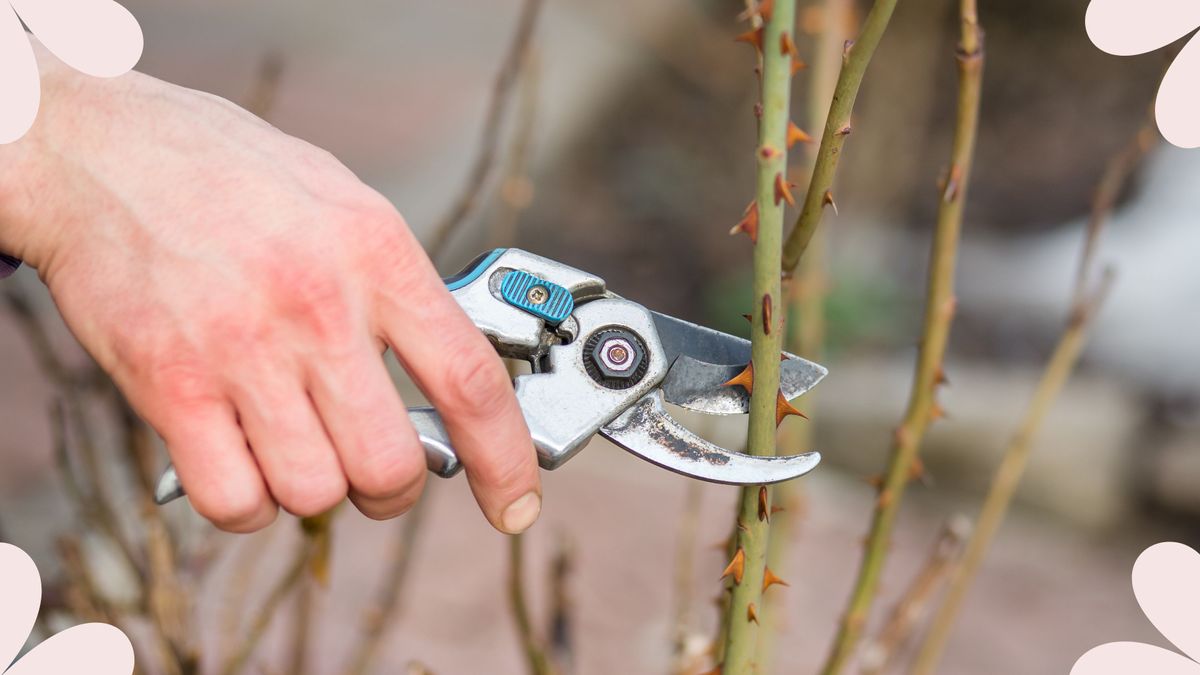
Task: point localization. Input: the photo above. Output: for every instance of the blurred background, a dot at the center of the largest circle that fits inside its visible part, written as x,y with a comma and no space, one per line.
627,152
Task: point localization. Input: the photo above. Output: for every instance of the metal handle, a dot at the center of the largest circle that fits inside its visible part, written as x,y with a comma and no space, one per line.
439,454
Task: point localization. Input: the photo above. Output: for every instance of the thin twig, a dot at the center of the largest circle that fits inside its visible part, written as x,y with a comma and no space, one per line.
880,654
531,644
516,188
385,613
856,57
1088,298
283,588
939,313
512,65
560,630
767,328
685,574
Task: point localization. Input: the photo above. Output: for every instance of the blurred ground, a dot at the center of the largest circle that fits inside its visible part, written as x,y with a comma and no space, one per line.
640,167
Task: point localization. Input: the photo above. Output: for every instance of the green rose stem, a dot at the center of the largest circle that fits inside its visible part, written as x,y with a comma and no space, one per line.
1087,300
855,58
939,312
774,39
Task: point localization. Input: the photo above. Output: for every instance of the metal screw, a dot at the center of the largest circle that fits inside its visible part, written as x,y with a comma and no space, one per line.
538,295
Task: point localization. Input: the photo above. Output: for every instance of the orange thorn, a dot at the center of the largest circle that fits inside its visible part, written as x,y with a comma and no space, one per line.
783,408
770,579
736,567
782,191
764,512
751,614
748,317
917,470
885,498
744,379
766,314
788,46
748,223
751,37
796,135
765,8
875,481
776,509
798,65
827,200
937,412
940,378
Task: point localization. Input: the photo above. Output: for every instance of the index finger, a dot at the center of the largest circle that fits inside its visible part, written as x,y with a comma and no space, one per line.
466,381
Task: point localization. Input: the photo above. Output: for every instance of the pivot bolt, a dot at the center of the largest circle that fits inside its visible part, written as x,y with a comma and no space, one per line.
615,358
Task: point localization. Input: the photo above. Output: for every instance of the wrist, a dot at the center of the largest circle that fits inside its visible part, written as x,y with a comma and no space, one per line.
31,188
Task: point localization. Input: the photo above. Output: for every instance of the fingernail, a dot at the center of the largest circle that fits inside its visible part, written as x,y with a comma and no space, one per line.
520,514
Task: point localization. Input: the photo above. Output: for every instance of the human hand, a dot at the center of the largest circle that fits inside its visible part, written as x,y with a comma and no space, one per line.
239,285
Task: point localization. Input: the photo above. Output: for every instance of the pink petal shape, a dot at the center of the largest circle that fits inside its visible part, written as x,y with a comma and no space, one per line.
1177,108
1166,581
1127,658
19,82
92,648
97,37
1127,27
20,598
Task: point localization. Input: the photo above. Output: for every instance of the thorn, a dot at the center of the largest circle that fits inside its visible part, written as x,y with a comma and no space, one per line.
770,579
827,200
937,412
758,110
742,526
765,9
751,614
796,135
776,509
783,408
950,191
798,65
782,191
875,481
751,37
766,314
744,379
916,471
748,317
885,498
764,511
846,47
736,567
939,378
844,131
787,46
748,223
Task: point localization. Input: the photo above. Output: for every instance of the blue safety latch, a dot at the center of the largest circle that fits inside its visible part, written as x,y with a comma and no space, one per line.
539,297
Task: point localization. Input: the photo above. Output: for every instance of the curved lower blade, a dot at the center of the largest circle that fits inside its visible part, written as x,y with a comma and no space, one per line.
646,430
700,386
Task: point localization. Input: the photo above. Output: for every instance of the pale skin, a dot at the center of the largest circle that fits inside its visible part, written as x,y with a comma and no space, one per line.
239,285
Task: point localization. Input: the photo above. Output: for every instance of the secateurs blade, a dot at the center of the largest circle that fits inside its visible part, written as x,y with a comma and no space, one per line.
603,364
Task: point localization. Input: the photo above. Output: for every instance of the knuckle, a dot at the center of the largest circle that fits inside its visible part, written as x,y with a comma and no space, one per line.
475,383
312,494
234,510
384,473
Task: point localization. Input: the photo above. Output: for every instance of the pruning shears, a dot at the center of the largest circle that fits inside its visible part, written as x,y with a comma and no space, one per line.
603,364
